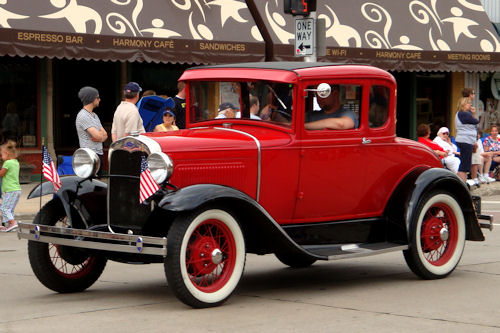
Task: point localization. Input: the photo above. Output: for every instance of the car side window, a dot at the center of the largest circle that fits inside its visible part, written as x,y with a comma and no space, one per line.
340,110
379,106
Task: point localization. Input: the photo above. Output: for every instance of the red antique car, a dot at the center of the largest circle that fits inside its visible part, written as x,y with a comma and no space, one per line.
296,159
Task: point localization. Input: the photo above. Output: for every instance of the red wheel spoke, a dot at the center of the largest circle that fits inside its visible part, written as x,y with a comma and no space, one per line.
210,235
438,219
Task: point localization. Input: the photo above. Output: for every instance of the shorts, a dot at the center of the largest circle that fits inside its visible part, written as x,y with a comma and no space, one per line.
476,158
465,156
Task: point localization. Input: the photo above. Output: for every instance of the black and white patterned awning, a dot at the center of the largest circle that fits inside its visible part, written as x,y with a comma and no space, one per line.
428,35
190,31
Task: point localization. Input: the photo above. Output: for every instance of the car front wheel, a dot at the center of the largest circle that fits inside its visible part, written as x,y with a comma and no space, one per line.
205,257
437,236
62,268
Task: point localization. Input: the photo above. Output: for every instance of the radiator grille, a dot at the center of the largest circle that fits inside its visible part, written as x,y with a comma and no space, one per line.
123,194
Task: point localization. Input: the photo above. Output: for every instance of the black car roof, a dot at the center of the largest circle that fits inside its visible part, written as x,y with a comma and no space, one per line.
282,65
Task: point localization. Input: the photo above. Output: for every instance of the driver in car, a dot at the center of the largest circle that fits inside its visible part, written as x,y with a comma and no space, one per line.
332,115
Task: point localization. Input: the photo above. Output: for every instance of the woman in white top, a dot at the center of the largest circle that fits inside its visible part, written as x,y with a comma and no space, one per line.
451,161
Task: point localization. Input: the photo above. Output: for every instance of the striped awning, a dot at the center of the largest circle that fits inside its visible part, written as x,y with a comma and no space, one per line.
190,31
406,35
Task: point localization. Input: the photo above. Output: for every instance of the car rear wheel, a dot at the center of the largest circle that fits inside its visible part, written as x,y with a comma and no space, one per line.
61,268
205,257
437,236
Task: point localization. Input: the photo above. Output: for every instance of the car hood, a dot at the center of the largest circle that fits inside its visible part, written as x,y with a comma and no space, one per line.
219,138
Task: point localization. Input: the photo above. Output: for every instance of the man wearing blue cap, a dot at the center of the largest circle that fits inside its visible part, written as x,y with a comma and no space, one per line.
127,119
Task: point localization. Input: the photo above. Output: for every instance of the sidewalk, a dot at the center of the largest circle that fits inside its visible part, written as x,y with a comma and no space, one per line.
27,208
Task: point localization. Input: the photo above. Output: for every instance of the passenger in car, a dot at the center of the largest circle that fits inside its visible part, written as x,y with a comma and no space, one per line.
254,108
226,110
332,115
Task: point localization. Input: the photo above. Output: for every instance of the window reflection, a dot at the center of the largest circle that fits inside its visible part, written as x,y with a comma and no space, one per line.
379,106
260,101
18,104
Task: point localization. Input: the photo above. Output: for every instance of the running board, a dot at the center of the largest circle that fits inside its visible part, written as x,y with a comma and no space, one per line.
343,251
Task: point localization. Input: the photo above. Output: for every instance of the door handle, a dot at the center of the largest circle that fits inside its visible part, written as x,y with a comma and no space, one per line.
366,141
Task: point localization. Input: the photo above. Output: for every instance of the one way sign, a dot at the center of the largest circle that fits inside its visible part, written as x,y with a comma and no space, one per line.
304,37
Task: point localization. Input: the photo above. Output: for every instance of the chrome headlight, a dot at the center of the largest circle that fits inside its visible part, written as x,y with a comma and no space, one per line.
161,166
85,162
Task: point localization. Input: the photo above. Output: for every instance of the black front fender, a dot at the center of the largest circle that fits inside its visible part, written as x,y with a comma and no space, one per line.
442,179
262,233
72,183
71,188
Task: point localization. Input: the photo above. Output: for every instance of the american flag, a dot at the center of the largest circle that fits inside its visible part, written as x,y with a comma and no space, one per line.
49,170
147,186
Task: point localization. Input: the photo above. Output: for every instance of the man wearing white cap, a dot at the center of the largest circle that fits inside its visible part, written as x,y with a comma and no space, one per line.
451,161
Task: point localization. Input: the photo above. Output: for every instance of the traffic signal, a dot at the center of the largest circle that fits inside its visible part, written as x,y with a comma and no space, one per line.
299,7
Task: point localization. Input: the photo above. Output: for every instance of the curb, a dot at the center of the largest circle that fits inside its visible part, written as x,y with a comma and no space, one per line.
487,189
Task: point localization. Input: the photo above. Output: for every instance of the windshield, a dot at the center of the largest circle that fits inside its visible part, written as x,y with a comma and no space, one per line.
251,100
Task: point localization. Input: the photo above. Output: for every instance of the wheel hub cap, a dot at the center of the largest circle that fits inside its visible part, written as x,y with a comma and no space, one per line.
205,251
217,256
434,234
444,233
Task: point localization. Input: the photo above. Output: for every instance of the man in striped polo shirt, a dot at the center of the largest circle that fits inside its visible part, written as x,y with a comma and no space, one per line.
91,134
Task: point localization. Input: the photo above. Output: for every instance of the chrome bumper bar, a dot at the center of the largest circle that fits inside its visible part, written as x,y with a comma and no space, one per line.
90,239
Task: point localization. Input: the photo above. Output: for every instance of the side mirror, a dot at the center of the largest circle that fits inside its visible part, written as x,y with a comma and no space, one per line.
323,90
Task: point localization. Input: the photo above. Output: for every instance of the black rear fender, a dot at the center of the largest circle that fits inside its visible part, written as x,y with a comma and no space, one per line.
404,201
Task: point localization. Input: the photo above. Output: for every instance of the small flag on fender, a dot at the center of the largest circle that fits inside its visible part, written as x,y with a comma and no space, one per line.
49,170
147,186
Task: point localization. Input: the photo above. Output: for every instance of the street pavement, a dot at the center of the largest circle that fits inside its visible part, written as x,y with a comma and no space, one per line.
371,294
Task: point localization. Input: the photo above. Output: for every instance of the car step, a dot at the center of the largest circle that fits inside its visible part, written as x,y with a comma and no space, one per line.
342,251
488,224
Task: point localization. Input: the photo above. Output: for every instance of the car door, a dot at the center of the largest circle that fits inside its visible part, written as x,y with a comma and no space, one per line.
332,173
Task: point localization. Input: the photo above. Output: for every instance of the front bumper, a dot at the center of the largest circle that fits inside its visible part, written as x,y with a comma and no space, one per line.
90,239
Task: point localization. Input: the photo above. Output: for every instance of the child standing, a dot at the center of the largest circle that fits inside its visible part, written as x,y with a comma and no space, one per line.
11,188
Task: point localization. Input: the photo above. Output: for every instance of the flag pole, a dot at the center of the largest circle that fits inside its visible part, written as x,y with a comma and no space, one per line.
41,175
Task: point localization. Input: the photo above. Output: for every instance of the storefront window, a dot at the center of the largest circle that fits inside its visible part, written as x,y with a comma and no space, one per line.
18,101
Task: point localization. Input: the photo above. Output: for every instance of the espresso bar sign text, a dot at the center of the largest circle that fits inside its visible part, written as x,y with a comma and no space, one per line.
49,38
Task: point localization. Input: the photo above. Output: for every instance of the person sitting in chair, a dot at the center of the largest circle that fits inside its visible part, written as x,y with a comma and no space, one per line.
451,161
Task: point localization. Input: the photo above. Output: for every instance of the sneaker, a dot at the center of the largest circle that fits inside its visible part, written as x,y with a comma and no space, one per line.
476,182
11,227
490,180
482,179
470,182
